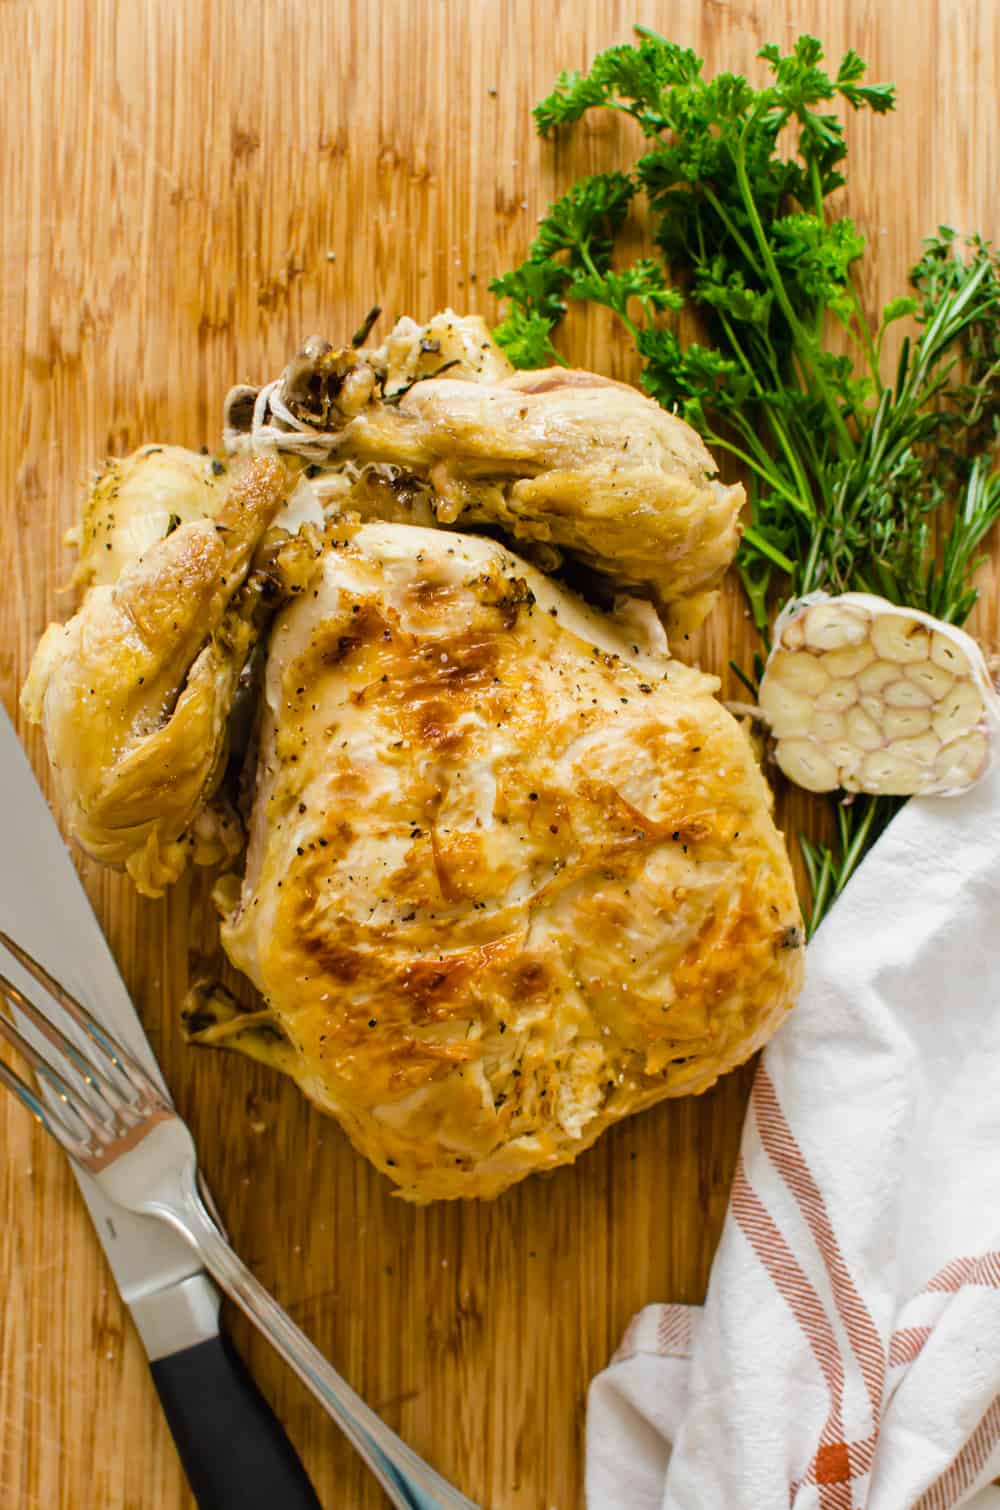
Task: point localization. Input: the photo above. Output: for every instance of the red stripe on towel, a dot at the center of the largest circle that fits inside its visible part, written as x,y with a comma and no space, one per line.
907,1343
984,1270
789,1161
758,1226
967,1466
674,1331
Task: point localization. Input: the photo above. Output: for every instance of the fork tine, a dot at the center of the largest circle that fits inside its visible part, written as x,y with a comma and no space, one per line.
109,1096
41,1113
132,1073
70,1101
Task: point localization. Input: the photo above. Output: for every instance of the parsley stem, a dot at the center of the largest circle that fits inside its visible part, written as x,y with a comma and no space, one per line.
587,259
817,187
766,472
630,325
733,230
764,546
804,342
867,343
802,500
766,468
741,355
817,191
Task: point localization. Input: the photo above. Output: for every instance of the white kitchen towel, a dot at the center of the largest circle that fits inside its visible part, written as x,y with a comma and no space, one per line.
848,1352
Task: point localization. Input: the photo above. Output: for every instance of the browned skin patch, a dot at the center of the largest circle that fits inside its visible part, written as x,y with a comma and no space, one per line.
342,964
432,985
725,948
436,728
530,979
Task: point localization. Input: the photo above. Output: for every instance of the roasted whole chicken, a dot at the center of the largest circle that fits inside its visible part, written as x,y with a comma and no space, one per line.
507,871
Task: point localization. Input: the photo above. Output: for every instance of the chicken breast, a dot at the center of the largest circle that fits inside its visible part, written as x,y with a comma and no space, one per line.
510,877
134,693
560,459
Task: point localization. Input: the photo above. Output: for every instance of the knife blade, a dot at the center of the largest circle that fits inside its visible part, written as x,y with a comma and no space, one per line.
205,1391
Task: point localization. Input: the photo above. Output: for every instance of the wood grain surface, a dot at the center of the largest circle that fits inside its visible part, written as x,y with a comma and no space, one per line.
190,188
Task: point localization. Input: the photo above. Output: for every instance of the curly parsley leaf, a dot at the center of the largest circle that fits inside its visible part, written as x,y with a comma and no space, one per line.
536,287
526,337
585,221
574,240
642,282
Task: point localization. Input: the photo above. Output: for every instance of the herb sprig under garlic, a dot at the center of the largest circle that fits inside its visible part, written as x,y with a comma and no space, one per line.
848,464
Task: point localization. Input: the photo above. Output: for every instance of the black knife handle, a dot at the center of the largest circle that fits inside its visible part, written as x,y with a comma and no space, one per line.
233,1447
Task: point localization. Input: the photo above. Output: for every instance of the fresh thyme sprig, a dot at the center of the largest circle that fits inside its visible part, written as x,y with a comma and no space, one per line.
848,467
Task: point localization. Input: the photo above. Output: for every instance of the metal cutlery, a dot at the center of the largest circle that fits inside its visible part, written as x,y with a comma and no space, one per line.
99,1093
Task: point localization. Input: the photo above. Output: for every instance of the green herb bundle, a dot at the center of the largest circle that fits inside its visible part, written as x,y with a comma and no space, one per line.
848,464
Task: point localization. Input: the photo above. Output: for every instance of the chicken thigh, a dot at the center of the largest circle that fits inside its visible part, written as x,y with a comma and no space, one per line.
559,459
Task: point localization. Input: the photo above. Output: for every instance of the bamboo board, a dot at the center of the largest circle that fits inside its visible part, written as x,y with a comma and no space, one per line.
190,189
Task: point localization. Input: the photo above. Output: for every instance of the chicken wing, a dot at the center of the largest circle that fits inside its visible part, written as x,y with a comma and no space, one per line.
134,692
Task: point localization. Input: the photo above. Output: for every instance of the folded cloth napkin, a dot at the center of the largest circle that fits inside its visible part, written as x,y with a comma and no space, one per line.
848,1352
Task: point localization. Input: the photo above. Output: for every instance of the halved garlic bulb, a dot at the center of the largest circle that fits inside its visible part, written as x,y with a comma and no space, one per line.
868,697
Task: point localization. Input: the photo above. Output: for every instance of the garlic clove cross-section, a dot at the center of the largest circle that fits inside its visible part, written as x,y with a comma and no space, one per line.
867,697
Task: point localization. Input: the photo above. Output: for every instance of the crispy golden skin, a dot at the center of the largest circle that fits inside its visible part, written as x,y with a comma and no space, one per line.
135,692
509,879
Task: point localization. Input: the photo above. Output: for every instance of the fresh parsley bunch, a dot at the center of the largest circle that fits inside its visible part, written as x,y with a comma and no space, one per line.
848,464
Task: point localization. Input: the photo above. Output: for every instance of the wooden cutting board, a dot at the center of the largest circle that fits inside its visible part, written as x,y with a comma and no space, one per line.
190,188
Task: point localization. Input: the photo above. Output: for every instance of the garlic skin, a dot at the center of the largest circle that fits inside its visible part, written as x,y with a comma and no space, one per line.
863,696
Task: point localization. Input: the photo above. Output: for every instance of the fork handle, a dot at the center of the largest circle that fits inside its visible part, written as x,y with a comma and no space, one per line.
232,1446
410,1483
